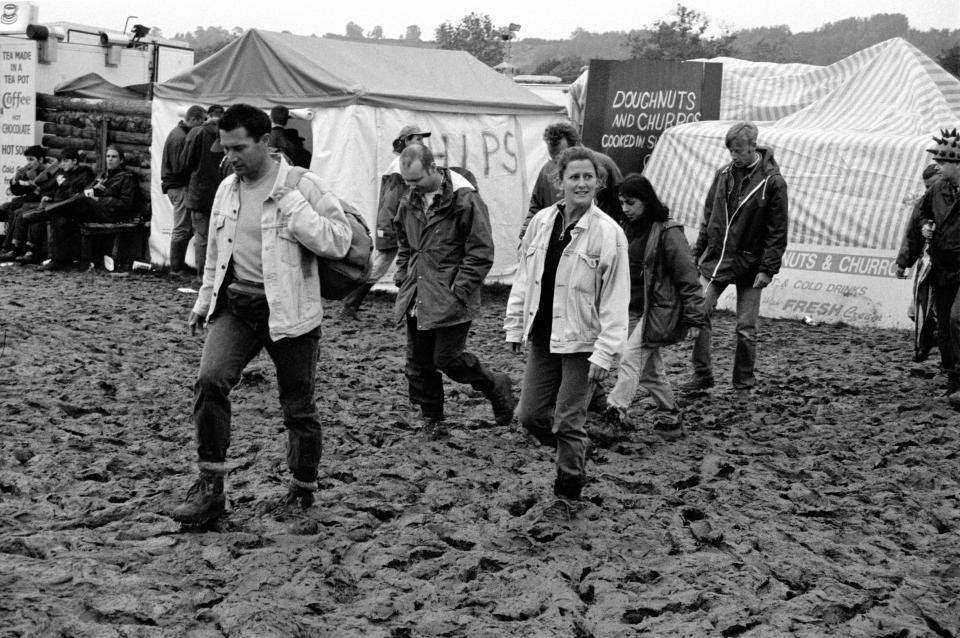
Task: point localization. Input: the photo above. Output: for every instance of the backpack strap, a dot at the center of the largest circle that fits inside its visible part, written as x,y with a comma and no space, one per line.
294,176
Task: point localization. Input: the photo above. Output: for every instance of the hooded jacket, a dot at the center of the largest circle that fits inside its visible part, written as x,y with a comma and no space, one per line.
117,192
941,205
735,244
672,295
443,257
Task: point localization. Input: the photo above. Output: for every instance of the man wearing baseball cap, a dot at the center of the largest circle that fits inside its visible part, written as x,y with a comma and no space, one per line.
939,206
385,242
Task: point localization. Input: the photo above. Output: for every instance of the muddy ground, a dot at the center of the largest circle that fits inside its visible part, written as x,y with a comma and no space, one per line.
827,506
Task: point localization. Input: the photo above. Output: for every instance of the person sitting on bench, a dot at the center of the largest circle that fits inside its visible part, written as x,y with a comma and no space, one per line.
111,198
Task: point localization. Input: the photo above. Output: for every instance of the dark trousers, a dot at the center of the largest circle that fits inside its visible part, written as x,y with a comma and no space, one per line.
555,396
235,335
430,352
201,227
63,234
948,327
20,233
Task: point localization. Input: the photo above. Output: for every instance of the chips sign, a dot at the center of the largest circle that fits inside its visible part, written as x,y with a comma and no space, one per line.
630,103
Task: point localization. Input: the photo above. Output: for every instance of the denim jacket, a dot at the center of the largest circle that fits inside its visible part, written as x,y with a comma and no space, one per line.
298,225
592,291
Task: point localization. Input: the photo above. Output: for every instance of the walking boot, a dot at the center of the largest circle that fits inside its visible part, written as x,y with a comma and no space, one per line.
568,486
501,399
353,300
205,501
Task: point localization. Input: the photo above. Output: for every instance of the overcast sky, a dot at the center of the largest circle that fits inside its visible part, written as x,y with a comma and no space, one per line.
538,19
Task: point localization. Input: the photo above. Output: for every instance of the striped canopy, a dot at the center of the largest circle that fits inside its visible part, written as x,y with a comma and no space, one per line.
850,139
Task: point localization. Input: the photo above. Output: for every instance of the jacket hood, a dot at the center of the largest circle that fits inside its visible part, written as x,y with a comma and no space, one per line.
768,165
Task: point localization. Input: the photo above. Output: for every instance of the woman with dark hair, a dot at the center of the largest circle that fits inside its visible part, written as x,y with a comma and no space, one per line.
665,303
569,304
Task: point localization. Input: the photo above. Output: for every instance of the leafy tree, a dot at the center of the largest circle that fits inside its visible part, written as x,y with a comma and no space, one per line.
376,33
354,31
474,34
950,60
567,68
765,44
207,41
413,33
679,39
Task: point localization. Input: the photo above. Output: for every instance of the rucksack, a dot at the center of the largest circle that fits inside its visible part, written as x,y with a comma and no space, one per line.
340,276
295,150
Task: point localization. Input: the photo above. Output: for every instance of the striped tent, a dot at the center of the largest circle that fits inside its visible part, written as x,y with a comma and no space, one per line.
850,139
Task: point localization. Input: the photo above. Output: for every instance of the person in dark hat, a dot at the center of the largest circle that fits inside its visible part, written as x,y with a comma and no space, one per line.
385,242
936,211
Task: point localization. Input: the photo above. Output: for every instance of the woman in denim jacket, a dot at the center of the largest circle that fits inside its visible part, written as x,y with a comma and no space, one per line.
569,304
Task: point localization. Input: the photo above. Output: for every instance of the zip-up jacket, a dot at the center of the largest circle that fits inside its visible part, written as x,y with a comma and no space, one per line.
116,192
298,226
203,164
941,205
173,174
736,243
592,290
672,295
443,257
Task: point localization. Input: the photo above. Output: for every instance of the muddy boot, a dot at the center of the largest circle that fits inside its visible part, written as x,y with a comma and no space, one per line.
205,501
351,303
501,399
669,425
568,486
696,384
614,427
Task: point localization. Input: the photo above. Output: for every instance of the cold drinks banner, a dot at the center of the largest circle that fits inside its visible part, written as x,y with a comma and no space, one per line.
630,103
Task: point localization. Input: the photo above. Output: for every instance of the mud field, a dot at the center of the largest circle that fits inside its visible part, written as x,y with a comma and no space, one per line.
827,506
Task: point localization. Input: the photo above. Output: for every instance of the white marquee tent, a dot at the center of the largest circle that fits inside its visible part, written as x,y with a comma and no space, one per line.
850,139
361,95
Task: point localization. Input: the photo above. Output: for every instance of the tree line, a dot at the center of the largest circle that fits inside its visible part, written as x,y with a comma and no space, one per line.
682,35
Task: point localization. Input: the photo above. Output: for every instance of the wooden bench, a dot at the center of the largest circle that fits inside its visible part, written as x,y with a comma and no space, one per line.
138,230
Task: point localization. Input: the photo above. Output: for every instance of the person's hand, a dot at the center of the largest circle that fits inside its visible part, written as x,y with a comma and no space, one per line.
196,322
693,333
762,280
901,272
516,347
597,374
926,231
44,199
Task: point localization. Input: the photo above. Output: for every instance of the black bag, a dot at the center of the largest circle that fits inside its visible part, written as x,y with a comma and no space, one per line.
339,276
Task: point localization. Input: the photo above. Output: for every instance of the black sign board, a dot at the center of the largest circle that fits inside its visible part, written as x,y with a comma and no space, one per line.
630,103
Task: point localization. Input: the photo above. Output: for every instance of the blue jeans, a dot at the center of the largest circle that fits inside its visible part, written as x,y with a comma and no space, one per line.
555,396
641,366
234,338
745,357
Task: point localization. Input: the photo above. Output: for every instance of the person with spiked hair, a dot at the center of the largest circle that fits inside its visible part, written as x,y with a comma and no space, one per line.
939,210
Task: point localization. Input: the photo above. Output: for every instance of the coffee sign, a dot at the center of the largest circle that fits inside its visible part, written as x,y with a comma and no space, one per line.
15,16
630,104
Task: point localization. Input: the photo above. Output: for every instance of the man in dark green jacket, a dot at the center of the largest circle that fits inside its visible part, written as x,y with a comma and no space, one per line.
445,251
742,240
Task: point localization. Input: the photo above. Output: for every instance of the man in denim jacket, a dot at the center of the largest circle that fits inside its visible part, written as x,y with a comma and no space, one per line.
261,290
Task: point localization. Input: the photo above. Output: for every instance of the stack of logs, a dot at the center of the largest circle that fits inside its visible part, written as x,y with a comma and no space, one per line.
91,125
